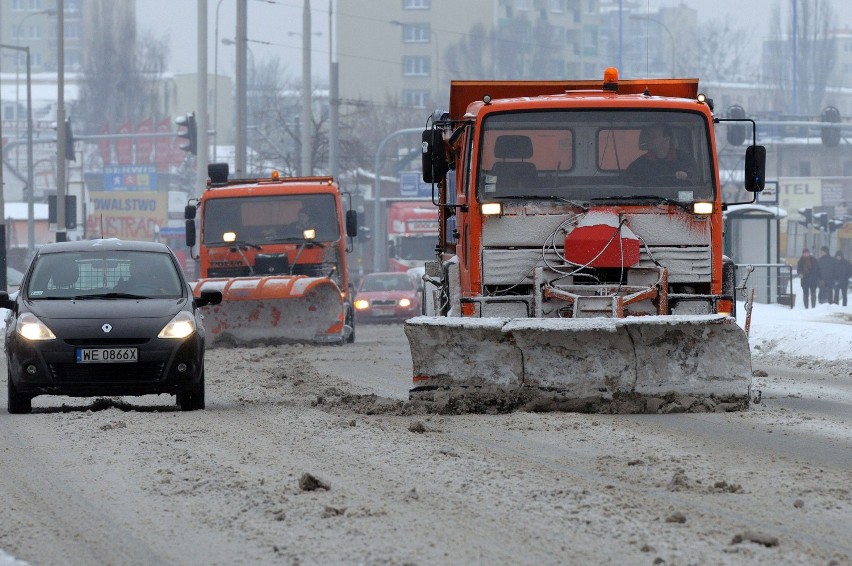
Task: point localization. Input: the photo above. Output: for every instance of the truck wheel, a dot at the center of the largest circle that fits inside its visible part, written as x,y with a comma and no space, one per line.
18,403
350,320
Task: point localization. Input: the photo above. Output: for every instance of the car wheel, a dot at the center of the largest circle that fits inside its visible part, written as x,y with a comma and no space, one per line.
18,403
193,399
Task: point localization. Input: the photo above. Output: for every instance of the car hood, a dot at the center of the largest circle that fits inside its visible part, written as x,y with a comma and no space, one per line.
386,295
95,309
125,318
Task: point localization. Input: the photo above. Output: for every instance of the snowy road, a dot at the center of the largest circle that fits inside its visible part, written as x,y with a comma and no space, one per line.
84,483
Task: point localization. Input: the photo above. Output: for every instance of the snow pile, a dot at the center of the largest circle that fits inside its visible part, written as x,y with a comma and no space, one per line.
823,332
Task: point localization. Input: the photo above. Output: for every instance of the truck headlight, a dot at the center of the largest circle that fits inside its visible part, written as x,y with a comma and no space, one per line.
702,208
181,326
31,328
491,209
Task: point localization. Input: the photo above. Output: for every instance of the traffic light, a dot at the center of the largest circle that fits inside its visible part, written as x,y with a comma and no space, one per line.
830,134
69,141
190,134
736,134
807,216
821,220
834,224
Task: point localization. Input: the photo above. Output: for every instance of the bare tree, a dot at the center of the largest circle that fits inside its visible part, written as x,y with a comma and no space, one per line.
815,57
121,70
723,53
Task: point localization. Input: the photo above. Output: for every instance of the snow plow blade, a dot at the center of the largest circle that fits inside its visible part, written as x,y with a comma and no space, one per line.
274,310
623,365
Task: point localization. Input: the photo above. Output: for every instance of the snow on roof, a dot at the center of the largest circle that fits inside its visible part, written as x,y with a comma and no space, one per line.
746,208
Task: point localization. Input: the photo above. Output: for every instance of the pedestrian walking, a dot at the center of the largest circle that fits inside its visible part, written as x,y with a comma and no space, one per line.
826,275
808,270
842,272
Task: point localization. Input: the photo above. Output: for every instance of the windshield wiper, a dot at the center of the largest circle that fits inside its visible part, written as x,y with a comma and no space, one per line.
653,198
111,295
543,197
235,244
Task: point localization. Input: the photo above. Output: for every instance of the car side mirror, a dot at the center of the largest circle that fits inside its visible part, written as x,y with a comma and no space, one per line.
190,233
755,168
208,297
5,302
351,223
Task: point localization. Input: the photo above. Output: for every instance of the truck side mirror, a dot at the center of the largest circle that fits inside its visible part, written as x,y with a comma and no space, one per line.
190,233
351,223
755,168
189,212
433,160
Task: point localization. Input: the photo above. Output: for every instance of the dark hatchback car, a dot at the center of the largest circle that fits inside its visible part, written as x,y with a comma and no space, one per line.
105,317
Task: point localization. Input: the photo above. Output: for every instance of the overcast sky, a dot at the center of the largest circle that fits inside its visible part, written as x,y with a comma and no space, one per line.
280,22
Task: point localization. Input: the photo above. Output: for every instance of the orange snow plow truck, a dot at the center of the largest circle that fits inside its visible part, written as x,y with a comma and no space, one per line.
276,248
581,248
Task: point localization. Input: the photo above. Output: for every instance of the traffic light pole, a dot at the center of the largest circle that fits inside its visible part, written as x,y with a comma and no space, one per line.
202,146
60,122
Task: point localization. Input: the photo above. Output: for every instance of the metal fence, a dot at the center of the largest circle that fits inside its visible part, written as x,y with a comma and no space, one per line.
772,283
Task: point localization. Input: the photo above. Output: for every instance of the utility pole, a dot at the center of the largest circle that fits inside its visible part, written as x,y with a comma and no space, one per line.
60,122
203,146
333,93
242,83
3,282
307,119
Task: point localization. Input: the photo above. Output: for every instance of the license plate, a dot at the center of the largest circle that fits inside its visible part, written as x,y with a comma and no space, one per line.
383,311
107,355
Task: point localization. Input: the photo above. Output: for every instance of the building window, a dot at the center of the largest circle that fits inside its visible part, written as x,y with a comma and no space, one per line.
415,98
804,168
72,30
415,66
416,33
522,5
558,6
415,4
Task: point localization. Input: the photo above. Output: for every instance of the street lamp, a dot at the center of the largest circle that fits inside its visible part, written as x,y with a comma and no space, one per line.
668,31
216,86
48,12
30,188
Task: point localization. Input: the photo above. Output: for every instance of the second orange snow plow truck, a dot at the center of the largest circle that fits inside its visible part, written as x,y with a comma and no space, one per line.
276,248
581,247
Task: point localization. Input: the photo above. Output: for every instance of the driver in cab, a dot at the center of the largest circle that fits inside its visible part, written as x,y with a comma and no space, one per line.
662,164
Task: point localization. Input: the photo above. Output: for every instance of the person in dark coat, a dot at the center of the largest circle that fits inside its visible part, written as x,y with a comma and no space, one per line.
808,270
842,272
663,164
826,275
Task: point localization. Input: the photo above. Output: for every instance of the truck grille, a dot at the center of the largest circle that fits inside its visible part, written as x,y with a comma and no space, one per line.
690,264
242,271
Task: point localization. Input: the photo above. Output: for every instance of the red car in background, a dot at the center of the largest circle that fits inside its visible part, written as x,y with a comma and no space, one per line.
390,296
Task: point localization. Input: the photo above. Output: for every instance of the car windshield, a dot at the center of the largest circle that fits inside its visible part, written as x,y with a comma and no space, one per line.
270,219
401,282
104,274
585,155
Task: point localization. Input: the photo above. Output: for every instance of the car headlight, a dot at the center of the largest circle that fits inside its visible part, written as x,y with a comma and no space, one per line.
362,304
405,303
181,326
31,328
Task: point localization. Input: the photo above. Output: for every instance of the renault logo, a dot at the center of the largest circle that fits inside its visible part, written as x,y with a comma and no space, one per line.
106,328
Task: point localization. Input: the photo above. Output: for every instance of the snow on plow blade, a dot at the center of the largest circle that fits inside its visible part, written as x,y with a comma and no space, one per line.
273,310
593,364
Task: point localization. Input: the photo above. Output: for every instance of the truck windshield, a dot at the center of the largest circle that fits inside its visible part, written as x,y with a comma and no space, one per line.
585,155
270,219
